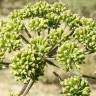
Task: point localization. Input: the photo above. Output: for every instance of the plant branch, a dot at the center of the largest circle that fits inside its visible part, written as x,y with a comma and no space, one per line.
24,39
6,63
83,75
23,89
48,30
88,76
39,33
51,62
27,32
54,48
58,76
30,84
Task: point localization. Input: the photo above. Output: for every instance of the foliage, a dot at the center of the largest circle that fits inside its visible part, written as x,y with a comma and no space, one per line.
56,35
66,47
75,86
40,22
29,62
70,56
86,36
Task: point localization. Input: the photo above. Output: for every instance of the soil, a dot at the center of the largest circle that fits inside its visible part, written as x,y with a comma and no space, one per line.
8,85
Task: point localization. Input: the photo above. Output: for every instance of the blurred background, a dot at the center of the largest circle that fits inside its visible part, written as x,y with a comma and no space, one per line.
83,7
48,85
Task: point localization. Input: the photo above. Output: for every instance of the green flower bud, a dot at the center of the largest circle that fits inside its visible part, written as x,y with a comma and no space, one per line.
75,86
70,56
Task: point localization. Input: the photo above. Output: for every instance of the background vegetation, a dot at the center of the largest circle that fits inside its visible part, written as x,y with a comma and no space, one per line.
83,7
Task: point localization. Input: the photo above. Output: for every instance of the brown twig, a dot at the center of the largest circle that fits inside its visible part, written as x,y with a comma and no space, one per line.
51,62
24,39
30,84
55,47
58,76
23,89
27,32
88,76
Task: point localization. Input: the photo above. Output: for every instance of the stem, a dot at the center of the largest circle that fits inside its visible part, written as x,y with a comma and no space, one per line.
58,76
48,30
88,76
83,75
23,89
27,32
51,62
55,47
24,39
30,84
90,52
38,33
6,63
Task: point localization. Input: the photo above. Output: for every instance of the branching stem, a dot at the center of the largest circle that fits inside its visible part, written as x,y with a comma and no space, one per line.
55,47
